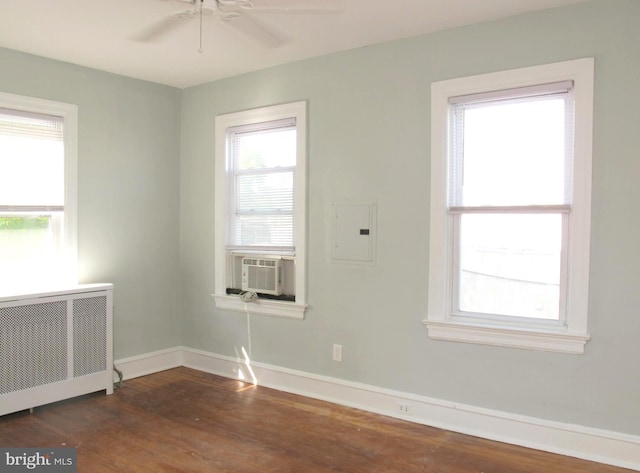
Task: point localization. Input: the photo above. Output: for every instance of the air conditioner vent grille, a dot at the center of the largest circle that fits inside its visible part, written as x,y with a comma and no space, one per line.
262,275
33,345
262,278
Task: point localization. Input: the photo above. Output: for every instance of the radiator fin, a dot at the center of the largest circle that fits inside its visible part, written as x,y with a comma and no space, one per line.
89,335
33,345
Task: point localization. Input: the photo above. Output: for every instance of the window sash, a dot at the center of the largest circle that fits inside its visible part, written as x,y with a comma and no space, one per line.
32,159
460,104
458,313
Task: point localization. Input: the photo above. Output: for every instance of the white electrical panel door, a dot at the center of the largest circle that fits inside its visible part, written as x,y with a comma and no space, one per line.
354,233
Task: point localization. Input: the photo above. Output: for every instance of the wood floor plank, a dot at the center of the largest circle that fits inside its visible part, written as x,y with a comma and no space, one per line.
183,420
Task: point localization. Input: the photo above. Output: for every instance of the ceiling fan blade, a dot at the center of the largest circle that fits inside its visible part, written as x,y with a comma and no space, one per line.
163,26
299,5
254,31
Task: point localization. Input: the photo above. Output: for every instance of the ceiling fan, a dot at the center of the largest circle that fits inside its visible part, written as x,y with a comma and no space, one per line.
237,15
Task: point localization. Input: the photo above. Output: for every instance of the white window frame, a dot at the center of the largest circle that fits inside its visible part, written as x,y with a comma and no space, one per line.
69,114
441,322
276,308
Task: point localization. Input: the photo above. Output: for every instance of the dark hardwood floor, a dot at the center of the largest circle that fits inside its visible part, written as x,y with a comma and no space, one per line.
184,420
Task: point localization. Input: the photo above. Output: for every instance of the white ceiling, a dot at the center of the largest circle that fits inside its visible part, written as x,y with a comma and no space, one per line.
100,33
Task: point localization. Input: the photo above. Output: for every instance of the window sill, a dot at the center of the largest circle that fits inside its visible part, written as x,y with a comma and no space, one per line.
271,308
561,342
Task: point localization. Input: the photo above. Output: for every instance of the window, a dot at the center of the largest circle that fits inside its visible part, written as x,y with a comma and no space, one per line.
260,209
262,160
510,207
37,195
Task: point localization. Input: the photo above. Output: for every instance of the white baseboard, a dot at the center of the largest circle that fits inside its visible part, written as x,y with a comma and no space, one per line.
597,445
149,363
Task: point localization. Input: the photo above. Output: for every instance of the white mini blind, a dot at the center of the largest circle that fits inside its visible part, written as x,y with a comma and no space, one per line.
262,160
512,148
31,161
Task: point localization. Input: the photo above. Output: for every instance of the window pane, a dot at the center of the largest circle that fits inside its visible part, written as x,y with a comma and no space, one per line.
31,161
513,153
265,149
264,230
263,162
264,192
28,250
510,264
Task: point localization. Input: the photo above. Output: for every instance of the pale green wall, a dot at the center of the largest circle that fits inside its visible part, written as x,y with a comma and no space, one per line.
369,141
128,170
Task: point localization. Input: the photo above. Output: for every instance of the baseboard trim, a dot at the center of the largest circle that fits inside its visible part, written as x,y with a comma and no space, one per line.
149,363
597,445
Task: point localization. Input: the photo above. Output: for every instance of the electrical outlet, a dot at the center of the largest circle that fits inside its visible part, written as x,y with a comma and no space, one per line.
337,352
404,408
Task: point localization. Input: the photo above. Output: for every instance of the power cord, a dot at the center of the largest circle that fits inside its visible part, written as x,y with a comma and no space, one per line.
245,297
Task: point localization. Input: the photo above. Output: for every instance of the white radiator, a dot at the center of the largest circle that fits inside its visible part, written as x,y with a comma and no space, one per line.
55,345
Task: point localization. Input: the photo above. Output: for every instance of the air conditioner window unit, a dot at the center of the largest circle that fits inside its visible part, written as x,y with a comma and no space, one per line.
262,275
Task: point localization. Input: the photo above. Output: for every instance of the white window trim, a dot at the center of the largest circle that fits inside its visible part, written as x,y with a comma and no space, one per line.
69,115
293,310
572,336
